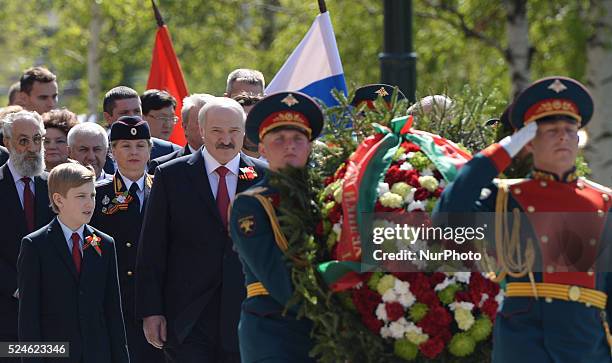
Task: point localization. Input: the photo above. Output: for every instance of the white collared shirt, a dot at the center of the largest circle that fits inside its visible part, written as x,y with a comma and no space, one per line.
231,178
68,235
140,182
19,184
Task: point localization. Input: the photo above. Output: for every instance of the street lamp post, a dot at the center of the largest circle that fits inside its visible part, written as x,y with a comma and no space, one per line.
398,60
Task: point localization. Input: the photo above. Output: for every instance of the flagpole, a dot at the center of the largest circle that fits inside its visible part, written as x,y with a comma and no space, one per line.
322,6
158,16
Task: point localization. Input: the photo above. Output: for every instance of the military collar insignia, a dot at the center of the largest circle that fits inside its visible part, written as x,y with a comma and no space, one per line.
247,225
557,86
289,100
382,92
568,177
105,200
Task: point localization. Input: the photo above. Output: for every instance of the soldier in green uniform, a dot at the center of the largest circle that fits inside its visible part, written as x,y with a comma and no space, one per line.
284,126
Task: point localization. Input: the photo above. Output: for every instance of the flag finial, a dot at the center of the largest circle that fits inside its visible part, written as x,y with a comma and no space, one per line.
158,17
322,6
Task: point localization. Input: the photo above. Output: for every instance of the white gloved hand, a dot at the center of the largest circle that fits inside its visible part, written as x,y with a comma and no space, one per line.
515,142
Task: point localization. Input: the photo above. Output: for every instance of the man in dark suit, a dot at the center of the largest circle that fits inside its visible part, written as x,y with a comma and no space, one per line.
122,219
124,101
68,286
23,196
4,155
189,282
191,106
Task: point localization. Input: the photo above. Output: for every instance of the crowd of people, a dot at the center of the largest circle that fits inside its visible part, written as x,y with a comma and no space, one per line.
135,249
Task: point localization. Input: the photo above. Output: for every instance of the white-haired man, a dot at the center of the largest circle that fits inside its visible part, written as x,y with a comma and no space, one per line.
245,81
88,144
189,281
191,106
23,195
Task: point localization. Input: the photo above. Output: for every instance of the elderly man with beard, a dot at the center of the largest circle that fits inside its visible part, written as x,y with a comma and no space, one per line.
23,192
189,282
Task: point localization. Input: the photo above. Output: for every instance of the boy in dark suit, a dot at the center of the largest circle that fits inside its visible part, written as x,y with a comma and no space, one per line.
67,276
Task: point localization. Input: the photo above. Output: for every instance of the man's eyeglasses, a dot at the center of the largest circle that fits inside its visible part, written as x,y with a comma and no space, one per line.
26,141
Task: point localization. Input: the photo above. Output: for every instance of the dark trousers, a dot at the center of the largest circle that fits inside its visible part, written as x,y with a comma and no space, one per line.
203,344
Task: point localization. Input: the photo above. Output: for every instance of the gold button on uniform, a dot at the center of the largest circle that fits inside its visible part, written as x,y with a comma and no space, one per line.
543,184
544,238
574,293
580,185
592,241
600,213
605,197
128,245
590,272
130,273
517,190
550,269
530,209
548,299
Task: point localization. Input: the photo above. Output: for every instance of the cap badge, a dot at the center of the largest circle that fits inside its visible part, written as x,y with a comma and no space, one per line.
557,86
133,131
382,92
289,100
105,200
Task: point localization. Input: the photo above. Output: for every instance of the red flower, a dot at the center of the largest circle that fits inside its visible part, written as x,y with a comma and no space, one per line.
438,192
432,347
437,278
340,172
319,229
412,178
490,308
379,208
365,300
335,214
372,323
328,180
421,194
410,147
437,321
395,311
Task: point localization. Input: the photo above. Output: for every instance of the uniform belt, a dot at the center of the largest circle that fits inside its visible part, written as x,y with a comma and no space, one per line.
256,289
589,297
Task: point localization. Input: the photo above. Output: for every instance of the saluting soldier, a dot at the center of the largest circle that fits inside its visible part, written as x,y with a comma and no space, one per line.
120,203
557,292
283,125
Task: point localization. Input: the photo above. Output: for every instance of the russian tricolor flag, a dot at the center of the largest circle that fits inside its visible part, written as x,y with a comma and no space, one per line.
314,67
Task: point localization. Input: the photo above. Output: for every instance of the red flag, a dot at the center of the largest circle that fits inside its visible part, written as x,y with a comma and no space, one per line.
166,74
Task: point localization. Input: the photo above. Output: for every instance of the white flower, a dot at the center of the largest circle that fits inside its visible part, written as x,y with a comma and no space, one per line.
337,228
428,182
401,287
398,328
427,172
464,319
463,277
401,188
407,299
415,334
461,305
382,188
410,155
406,166
381,312
417,204
442,285
390,296
391,200
409,198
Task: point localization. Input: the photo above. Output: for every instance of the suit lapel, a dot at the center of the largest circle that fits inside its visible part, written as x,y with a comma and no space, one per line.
199,178
58,239
8,190
90,268
41,201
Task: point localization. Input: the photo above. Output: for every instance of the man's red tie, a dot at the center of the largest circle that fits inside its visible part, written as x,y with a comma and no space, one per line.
223,199
28,203
76,252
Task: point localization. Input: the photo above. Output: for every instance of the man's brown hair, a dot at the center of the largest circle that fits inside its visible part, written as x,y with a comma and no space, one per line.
67,176
35,74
